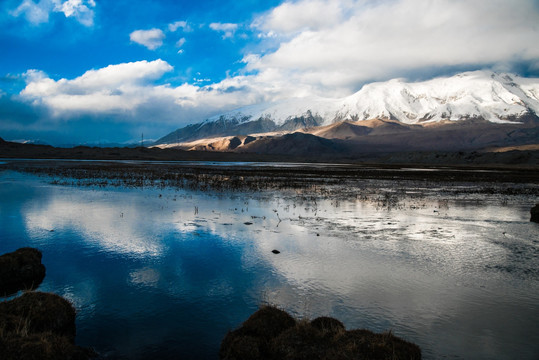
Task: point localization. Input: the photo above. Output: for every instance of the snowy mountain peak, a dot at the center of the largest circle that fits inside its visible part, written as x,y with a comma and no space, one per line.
494,97
478,94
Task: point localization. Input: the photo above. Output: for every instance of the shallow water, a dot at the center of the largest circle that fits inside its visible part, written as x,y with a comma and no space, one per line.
165,273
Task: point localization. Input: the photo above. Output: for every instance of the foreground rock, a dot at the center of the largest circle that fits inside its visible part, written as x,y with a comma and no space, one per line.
20,270
271,333
535,213
39,325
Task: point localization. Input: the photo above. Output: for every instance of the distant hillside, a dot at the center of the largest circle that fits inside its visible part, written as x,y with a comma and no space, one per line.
361,139
284,148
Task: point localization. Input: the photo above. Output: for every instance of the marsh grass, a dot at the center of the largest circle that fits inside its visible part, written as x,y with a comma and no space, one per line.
325,182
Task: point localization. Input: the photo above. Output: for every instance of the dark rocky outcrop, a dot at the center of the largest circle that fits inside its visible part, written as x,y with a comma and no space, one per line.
39,325
271,333
20,270
535,213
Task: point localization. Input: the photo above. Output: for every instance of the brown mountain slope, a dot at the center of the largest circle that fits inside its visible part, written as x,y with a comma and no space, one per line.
295,144
376,136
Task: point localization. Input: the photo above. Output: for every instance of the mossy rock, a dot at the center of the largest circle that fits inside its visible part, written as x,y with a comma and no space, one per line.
42,346
237,345
301,342
251,340
268,322
535,213
328,324
271,333
21,270
39,325
365,344
41,312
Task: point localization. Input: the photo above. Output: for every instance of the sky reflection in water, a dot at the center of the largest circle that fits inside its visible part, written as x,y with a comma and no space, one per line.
151,277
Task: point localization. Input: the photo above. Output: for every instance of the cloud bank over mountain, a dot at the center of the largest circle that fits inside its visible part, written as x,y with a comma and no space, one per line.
294,49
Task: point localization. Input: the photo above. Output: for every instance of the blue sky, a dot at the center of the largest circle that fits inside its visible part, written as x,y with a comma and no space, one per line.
97,71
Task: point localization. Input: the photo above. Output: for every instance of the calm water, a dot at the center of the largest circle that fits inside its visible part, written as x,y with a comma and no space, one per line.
164,273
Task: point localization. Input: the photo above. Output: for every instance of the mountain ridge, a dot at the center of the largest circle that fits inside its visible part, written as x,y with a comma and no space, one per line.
477,95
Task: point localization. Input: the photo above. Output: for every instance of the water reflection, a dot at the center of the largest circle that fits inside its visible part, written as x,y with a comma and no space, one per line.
163,273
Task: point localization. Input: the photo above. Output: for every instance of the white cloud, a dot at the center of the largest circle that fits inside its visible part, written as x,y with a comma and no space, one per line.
38,13
152,38
79,9
179,24
331,47
180,42
113,88
227,29
128,90
291,17
35,14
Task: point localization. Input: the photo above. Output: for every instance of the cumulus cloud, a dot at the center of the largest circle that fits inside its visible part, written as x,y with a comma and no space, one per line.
334,46
227,29
38,13
180,42
152,38
35,14
113,88
179,25
308,47
79,9
129,90
291,17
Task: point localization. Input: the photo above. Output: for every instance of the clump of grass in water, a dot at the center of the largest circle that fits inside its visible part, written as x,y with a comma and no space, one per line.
39,326
21,270
271,333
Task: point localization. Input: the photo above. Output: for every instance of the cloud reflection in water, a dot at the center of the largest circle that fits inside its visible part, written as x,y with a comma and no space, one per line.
430,270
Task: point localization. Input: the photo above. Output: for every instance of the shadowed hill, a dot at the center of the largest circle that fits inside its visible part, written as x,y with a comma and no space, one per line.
296,144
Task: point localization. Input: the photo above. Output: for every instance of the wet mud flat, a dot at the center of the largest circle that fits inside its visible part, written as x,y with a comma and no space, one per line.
326,180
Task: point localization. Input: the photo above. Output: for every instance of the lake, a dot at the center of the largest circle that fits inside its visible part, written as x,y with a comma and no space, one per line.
164,272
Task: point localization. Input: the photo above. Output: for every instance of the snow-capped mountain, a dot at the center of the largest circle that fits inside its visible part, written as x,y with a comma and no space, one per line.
492,97
497,98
